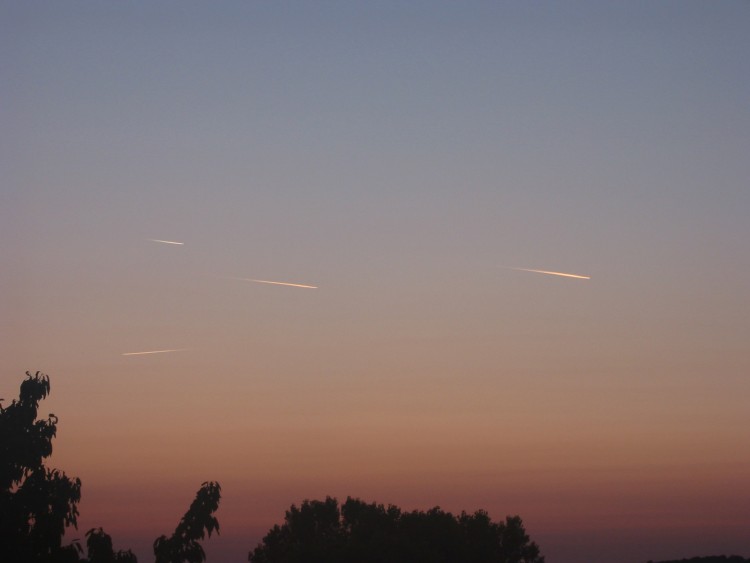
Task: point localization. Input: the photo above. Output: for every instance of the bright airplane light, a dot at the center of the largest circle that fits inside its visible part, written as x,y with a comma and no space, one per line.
277,283
166,241
576,276
153,352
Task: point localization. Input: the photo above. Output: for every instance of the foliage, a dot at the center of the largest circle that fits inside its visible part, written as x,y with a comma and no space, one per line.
183,546
100,550
36,503
318,531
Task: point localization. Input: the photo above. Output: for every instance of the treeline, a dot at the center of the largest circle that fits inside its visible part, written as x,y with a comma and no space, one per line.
323,532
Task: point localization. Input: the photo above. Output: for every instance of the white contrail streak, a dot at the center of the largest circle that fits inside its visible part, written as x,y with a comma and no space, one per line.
153,352
277,283
166,241
552,273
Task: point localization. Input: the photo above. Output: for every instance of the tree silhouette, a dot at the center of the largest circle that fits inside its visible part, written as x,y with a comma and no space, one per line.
100,550
183,545
318,531
36,503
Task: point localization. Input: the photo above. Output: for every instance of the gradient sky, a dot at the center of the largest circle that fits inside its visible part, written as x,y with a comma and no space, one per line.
401,157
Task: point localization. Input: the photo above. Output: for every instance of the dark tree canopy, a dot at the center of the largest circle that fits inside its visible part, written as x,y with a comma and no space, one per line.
321,531
36,503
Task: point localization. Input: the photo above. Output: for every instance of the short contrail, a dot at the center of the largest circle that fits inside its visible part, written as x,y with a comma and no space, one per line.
277,283
153,352
552,273
166,241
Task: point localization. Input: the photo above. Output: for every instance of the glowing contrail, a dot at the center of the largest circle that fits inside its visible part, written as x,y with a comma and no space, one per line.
552,273
153,352
277,283
166,241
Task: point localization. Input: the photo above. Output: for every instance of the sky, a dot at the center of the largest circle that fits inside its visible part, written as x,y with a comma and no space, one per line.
402,158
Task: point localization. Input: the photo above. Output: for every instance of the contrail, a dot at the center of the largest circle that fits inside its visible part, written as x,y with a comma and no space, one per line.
166,241
277,283
552,273
153,352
